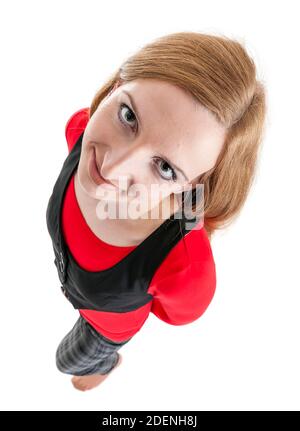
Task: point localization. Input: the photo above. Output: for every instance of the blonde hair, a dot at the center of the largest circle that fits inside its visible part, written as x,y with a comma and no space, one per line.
221,76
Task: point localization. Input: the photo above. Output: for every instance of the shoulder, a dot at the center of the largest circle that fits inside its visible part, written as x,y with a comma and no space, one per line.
185,283
193,250
75,125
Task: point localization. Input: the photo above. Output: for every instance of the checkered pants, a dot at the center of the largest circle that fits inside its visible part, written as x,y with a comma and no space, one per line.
85,351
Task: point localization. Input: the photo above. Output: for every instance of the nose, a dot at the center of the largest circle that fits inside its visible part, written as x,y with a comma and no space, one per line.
118,171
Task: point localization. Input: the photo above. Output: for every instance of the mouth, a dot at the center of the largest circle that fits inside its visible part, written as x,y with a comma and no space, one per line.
95,173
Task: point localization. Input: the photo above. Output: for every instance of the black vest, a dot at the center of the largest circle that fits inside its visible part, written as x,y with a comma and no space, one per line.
124,286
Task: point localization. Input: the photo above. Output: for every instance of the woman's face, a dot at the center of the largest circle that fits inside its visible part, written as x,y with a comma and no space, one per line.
149,139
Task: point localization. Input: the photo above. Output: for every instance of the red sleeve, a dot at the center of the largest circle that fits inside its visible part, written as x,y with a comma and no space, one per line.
183,297
76,125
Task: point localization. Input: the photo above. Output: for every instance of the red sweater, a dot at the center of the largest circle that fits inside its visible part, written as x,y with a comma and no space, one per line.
182,287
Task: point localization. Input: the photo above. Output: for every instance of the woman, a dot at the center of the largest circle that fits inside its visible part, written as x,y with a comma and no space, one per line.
184,111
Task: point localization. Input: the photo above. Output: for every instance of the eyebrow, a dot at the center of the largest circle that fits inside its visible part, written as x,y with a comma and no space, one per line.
139,119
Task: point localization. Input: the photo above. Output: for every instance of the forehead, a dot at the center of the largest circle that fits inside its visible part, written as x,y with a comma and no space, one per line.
176,124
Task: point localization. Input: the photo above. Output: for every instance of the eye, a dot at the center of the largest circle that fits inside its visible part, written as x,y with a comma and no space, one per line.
167,169
126,115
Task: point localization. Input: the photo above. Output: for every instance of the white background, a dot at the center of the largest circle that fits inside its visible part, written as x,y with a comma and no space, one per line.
243,353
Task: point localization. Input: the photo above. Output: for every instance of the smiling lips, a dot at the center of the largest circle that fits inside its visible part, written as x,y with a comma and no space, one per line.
95,175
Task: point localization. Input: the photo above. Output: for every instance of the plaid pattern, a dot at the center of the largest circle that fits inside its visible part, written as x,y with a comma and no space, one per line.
85,351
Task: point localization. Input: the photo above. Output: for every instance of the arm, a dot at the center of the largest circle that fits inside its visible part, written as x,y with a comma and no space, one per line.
183,297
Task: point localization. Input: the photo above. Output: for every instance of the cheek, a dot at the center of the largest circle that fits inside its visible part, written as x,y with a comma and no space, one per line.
158,192
145,193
